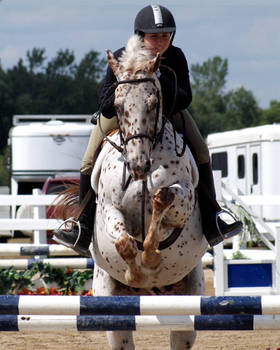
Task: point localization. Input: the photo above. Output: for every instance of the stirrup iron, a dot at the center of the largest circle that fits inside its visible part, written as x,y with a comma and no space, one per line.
65,223
229,234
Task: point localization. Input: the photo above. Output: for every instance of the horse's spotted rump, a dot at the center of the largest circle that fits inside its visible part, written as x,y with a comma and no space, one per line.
122,267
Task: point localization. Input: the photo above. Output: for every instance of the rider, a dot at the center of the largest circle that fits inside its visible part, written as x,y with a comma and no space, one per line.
156,25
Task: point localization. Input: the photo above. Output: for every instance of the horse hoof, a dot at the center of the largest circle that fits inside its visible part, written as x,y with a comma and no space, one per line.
126,247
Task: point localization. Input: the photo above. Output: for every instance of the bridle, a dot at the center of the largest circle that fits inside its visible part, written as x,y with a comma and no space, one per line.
155,138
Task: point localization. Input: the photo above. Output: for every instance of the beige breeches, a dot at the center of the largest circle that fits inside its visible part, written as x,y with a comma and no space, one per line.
190,131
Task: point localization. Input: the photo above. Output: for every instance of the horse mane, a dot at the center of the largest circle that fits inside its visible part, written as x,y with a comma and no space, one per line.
135,55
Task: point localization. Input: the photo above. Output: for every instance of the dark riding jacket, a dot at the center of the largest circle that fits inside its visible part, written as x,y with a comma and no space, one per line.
175,59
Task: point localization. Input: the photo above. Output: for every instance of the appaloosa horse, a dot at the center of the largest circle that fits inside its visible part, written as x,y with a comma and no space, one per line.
147,237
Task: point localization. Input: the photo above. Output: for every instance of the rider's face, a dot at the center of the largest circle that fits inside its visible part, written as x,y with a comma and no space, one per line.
157,42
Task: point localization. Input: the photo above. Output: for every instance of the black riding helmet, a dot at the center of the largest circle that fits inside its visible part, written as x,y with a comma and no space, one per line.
155,19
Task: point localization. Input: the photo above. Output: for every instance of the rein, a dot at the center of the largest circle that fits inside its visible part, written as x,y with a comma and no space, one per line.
154,139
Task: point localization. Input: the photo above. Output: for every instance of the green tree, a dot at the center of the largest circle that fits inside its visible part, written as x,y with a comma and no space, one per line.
36,58
62,65
59,86
210,76
5,107
72,88
88,76
216,110
241,110
272,114
4,171
208,83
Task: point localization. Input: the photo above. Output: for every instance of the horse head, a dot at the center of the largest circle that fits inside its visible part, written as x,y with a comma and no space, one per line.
138,104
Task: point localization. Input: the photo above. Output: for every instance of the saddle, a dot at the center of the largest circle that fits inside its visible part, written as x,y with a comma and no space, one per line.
103,142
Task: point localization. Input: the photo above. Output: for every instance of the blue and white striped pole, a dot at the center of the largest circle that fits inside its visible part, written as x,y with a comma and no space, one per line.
72,263
139,305
44,323
24,249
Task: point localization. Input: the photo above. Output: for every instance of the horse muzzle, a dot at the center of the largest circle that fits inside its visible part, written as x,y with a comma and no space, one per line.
139,169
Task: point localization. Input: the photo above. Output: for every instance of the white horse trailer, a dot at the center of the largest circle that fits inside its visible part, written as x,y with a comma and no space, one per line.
46,146
249,162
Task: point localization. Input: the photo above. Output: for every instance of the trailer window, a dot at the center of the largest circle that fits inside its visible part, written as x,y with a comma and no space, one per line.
220,162
255,168
241,166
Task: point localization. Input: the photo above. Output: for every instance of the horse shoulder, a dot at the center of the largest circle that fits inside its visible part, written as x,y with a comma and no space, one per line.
102,160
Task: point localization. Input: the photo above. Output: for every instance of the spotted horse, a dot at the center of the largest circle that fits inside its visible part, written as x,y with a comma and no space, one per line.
147,236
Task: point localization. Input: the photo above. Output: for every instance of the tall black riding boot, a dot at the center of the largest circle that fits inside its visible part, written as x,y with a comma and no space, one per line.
80,236
214,228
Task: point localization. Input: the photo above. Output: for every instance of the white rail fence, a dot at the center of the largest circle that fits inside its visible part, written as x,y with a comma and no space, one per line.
39,224
269,233
264,262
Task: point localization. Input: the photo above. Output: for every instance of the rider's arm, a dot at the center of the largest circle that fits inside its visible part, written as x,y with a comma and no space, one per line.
176,60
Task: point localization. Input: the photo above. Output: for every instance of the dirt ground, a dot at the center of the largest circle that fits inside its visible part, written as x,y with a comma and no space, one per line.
261,340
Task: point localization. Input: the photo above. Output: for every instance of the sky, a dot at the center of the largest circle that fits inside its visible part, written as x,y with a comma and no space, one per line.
246,32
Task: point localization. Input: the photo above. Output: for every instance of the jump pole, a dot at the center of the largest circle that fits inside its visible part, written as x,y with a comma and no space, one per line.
139,305
73,263
53,323
25,249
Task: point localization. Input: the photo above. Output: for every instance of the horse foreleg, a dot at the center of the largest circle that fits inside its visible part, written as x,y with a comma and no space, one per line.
162,200
124,244
127,249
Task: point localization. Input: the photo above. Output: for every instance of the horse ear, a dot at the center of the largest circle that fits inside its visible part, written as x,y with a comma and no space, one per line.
157,62
113,63
153,65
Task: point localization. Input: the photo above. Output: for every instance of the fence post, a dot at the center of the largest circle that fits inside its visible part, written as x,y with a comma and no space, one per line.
39,212
219,276
277,261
